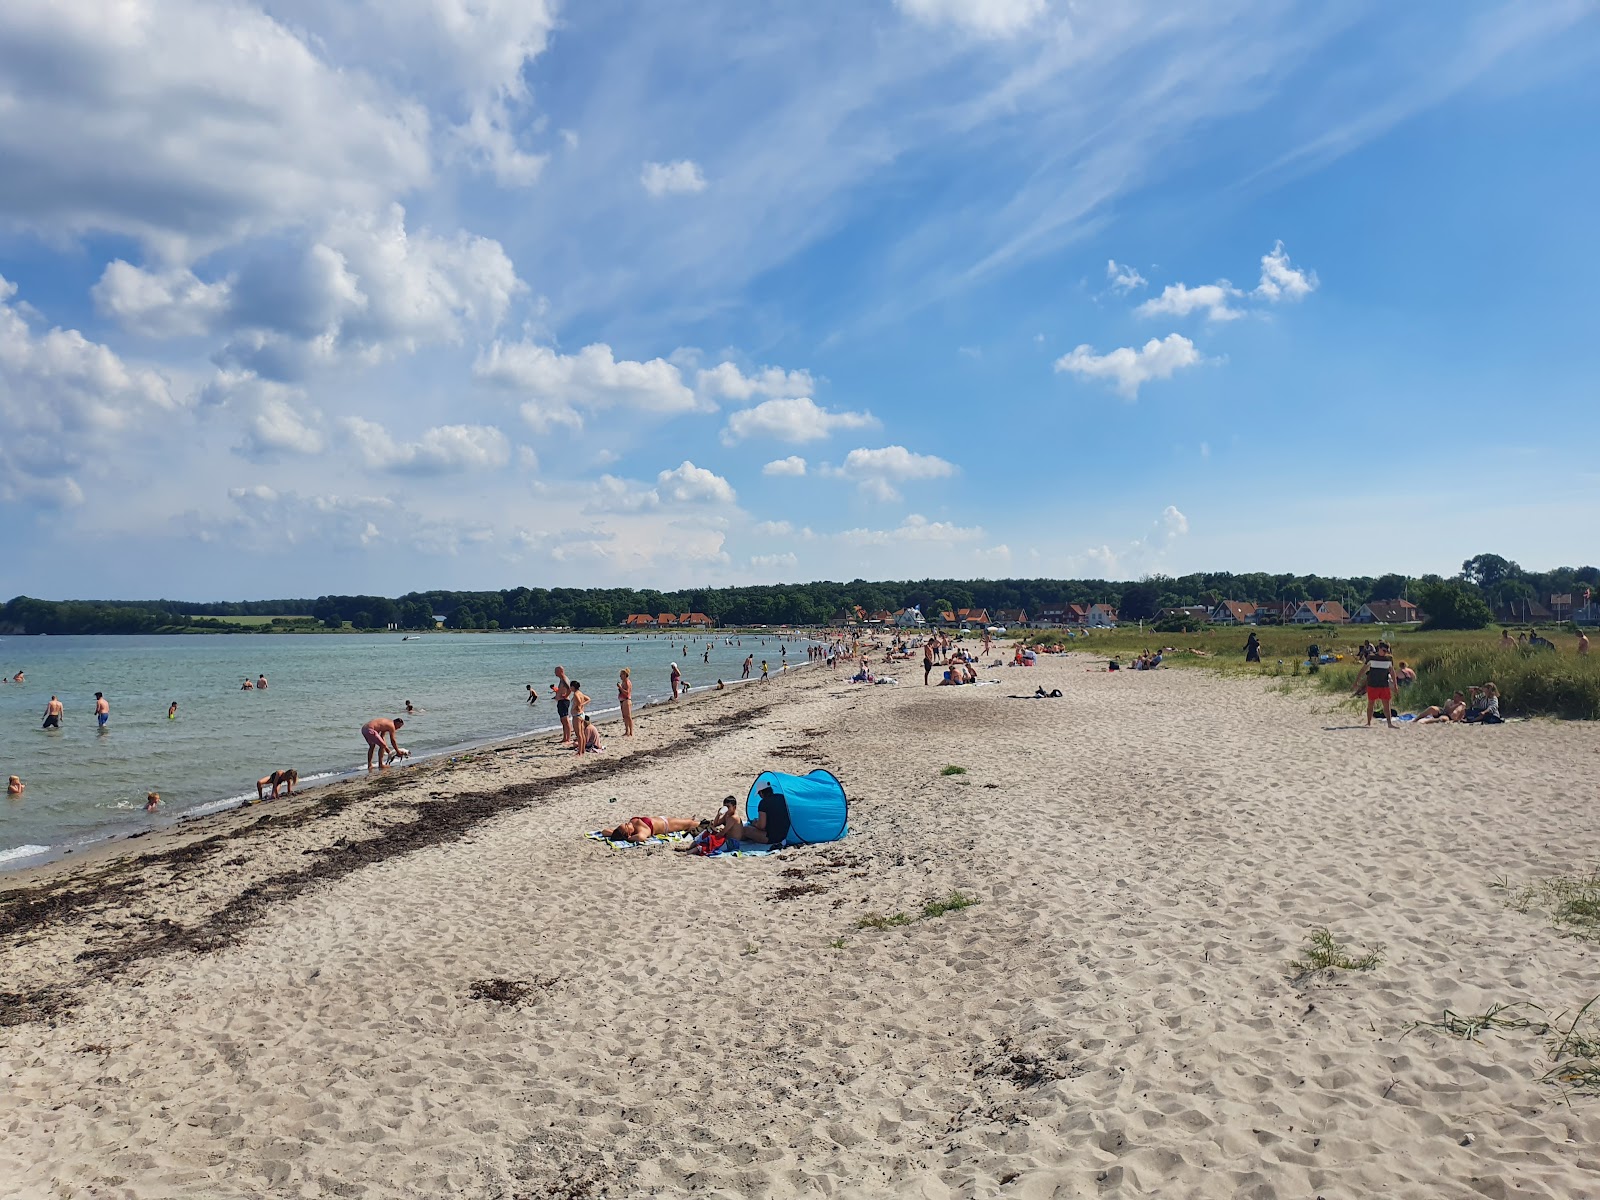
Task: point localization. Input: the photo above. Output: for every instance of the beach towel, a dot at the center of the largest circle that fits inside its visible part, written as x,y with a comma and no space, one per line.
661,839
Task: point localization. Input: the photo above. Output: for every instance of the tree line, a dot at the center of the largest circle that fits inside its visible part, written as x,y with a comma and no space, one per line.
1460,601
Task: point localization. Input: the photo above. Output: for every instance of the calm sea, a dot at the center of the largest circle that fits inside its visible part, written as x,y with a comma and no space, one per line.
84,784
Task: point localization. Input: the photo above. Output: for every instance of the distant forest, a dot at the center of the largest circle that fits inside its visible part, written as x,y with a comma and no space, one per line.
1488,578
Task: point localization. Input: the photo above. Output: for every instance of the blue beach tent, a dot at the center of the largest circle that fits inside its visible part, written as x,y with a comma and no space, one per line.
818,809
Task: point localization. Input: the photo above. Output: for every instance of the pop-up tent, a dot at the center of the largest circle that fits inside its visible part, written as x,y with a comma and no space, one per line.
818,809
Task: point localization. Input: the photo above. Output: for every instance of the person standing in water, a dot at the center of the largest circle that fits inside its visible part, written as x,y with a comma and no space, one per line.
52,714
533,696
261,683
677,681
172,711
102,710
750,661
373,733
625,700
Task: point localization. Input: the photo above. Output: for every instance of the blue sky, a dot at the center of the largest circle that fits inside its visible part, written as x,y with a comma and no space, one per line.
372,296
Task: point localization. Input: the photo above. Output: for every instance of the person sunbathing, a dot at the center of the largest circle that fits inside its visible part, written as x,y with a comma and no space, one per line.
642,829
1453,709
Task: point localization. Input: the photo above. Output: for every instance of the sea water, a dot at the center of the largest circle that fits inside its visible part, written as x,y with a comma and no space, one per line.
85,783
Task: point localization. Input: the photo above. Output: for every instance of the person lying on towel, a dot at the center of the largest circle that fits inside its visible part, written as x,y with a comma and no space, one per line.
642,829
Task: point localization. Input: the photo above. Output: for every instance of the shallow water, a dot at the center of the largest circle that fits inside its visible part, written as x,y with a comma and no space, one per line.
84,783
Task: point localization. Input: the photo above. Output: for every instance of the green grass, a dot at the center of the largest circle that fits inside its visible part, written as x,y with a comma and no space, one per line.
879,921
954,902
1532,682
1571,901
953,771
1322,952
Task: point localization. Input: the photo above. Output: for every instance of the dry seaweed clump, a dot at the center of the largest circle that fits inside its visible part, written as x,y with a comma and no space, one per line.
511,992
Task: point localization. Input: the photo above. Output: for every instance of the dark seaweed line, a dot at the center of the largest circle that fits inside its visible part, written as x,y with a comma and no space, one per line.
436,823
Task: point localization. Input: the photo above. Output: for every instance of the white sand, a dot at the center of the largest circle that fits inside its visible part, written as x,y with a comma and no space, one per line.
1115,1018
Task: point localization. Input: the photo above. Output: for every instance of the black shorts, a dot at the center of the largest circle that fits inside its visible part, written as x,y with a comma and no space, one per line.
51,722
563,707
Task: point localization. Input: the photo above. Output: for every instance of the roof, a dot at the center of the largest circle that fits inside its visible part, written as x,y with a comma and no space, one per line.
1239,610
1327,611
1392,612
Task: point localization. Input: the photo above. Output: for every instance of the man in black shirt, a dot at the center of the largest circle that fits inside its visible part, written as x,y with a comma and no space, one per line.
1377,676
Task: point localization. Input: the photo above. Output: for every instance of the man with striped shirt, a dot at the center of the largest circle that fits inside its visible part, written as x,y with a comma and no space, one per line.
1377,676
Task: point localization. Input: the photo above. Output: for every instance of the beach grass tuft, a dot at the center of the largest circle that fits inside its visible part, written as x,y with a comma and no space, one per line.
1469,1026
1572,902
1575,1053
952,770
837,944
954,902
879,921
1323,952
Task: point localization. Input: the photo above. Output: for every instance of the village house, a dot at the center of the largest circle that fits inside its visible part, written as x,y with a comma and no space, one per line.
695,621
1387,612
1320,612
1101,616
1195,612
1233,612
1012,618
972,618
909,618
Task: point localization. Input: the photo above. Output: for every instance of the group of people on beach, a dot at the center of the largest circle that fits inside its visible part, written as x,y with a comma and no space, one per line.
770,828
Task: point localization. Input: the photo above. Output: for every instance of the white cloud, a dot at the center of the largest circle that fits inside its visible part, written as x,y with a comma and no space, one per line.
687,483
985,18
560,388
915,528
66,402
171,303
1126,368
877,471
774,562
1178,300
1280,281
269,413
110,132
726,382
682,177
1173,524
365,290
774,528
441,450
798,419
1123,279
794,465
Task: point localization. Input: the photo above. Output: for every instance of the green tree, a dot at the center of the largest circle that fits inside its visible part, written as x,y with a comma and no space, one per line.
1452,605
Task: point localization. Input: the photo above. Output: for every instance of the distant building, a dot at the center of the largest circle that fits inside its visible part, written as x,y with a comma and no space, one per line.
1012,618
1387,612
909,618
1320,612
1101,616
1233,612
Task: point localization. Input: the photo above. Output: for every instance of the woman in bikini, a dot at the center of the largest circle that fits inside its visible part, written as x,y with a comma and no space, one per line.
625,701
579,703
642,829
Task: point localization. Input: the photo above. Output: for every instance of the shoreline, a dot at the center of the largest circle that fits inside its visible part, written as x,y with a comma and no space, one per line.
115,830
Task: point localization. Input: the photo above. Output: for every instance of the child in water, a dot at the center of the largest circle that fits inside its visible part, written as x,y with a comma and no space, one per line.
152,802
172,711
14,786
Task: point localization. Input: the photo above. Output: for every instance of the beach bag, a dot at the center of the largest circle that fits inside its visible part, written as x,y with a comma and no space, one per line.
708,843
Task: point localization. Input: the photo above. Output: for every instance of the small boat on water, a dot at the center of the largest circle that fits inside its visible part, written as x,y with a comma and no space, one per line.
412,637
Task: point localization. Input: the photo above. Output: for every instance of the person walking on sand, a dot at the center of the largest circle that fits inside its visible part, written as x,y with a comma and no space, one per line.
1252,648
677,681
579,703
52,714
1376,677
373,733
763,670
927,662
563,691
625,700
102,710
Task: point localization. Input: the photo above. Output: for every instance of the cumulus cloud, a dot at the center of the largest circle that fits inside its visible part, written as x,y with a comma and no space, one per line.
1178,300
1280,281
365,290
688,484
561,388
798,419
107,135
877,471
170,303
774,562
441,450
774,528
984,18
272,416
1123,279
1128,369
726,382
794,465
65,401
678,178
915,528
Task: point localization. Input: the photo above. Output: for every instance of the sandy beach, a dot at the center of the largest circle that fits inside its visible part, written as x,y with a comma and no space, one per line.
280,1001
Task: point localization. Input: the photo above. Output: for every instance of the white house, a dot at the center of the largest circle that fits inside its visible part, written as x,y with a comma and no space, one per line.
909,618
1101,616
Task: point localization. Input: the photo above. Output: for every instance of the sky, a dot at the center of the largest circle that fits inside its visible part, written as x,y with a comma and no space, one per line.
335,296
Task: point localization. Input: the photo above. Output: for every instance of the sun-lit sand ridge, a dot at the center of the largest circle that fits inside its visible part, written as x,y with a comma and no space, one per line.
1116,1016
